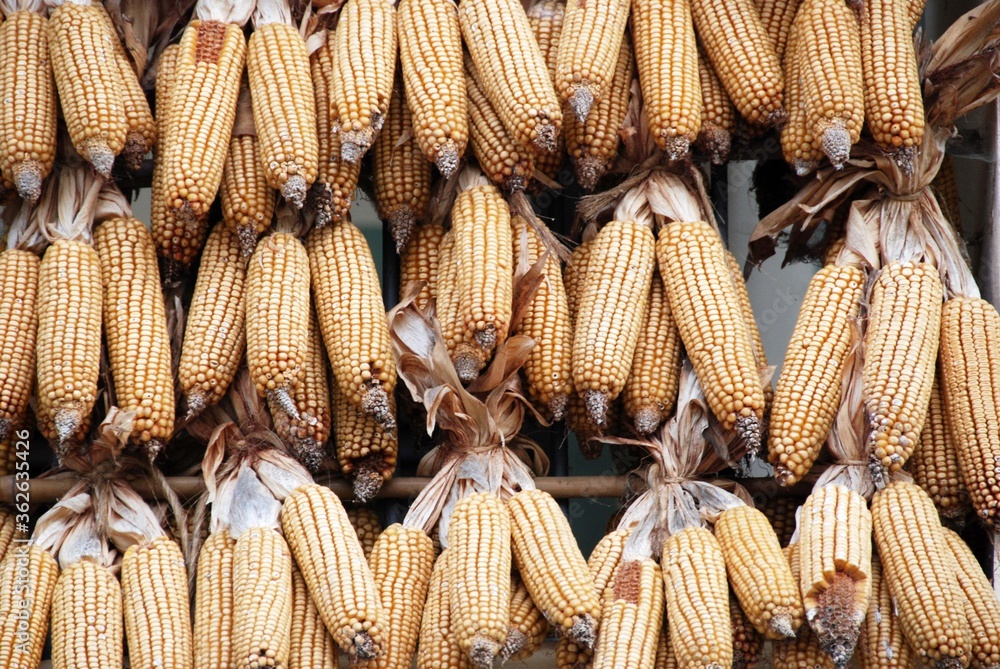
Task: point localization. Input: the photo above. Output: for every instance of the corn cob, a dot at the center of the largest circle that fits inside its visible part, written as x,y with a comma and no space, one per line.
262,599
527,628
247,199
213,603
743,56
307,435
347,291
718,118
90,86
402,176
809,388
310,646
894,107
366,451
780,511
437,646
7,526
665,657
166,82
882,643
667,60
748,643
440,121
554,571
504,161
69,339
631,616
28,148
479,538
981,605
739,283
546,18
361,92
586,60
934,463
446,308
702,294
332,562
87,618
605,336
546,320
366,525
574,275
804,651
593,144
970,386
919,570
337,179
419,262
901,345
651,388
18,330
497,33
157,613
277,318
945,187
836,554
284,109
799,144
770,598
776,16
214,336
28,569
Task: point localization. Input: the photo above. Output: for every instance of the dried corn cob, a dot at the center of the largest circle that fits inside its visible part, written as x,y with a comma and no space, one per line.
361,92
882,643
352,318
419,262
804,651
586,58
575,274
213,603
524,97
7,526
437,646
632,616
780,511
945,187
982,606
440,121
665,657
901,344
546,18
799,144
262,599
24,624
809,388
528,626
934,463
18,331
739,283
310,646
776,17
366,451
718,118
87,624
667,60
446,309
366,525
748,643
919,570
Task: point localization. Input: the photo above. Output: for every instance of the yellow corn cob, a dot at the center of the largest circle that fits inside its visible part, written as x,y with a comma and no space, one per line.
718,118
401,562
28,148
366,451
527,628
438,103
332,562
277,318
651,388
574,275
809,388
982,605
352,318
799,144
307,435
87,618
446,308
934,463
614,298
667,60
894,107
363,85
665,658
593,144
970,386
366,525
157,613
419,262
497,33
804,651
739,283
166,82
337,179
901,345
835,550
697,597
402,176
215,333
479,577
437,646
69,339
945,187
554,571
631,616
706,306
586,58
213,603
506,163
284,109
780,511
546,19
882,644
28,569
89,84
262,599
546,320
247,200
18,330
743,56
7,525
776,16
311,646
769,596
919,568
748,643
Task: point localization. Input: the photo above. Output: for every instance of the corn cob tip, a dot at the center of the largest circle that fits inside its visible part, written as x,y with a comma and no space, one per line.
904,157
804,168
375,403
545,139
310,453
401,224
294,190
367,481
589,171
783,475
364,648
468,360
134,151
28,180
748,429
4,428
781,623
282,399
447,158
557,407
487,337
836,143
247,235
597,406
67,422
354,144
584,631
676,147
197,401
515,183
647,419
834,620
483,651
715,142
581,101
153,447
97,152
516,640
